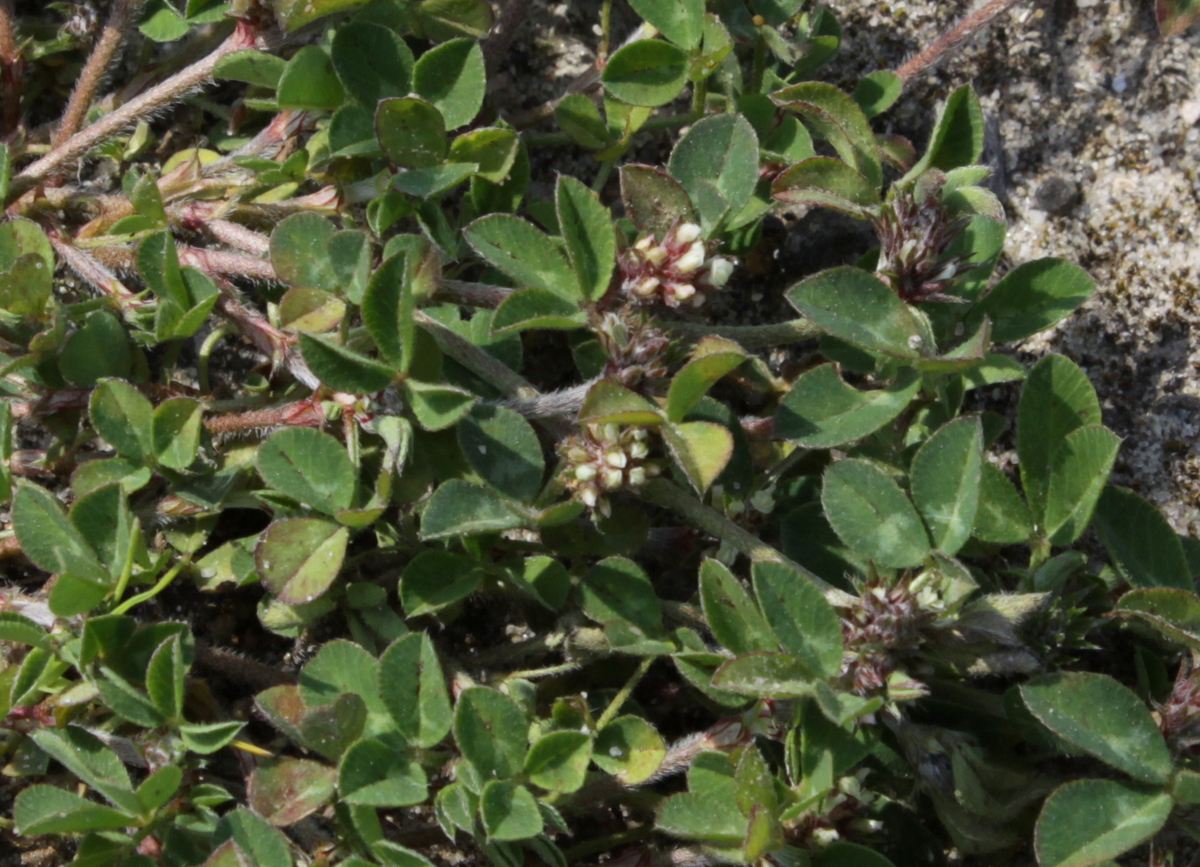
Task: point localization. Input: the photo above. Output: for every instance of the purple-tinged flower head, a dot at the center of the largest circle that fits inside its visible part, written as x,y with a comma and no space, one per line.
675,271
603,459
915,230
639,354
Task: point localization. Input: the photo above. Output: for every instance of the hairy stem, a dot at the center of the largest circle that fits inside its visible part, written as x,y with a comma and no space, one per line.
139,108
93,272
618,702
105,51
752,336
951,41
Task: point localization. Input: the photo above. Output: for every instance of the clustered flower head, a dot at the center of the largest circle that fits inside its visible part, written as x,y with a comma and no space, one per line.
675,271
915,229
639,354
1179,717
605,458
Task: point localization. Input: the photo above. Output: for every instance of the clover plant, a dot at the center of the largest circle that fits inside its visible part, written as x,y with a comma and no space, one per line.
566,567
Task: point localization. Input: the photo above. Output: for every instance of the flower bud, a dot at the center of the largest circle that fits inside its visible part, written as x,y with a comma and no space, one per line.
585,472
616,458
611,479
647,287
656,255
682,291
692,259
719,271
686,233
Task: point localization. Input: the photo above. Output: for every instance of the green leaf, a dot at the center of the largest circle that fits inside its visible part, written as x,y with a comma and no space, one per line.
836,117
822,411
871,514
207,738
630,749
1174,613
1174,16
372,61
587,229
451,77
342,667
264,845
804,622
1140,541
298,252
607,401
413,688
712,359
492,150
1002,517
1032,297
42,809
765,675
827,183
509,811
647,72
732,615
165,678
436,579
503,448
859,308
1057,398
558,761
158,788
309,82
87,757
310,466
445,19
284,791
460,508
1100,716
437,407
175,431
344,370
536,308
328,729
1088,822
490,730
298,559
522,251
310,310
617,589
20,629
878,91
158,264
1078,475
580,119
375,773
681,21
701,449
99,349
251,66
693,816
721,150
411,132
49,540
654,200
387,310
957,138
946,478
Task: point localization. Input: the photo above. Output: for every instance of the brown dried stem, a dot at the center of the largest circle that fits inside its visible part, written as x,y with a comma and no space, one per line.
112,37
951,41
139,108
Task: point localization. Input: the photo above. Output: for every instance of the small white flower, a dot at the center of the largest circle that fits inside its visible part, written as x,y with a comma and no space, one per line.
644,243
588,496
825,836
637,477
616,458
687,232
719,271
692,259
656,255
639,450
611,479
585,472
682,291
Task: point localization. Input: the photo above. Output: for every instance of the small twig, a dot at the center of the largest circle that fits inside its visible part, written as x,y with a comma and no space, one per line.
139,108
471,294
105,51
239,237
949,42
98,276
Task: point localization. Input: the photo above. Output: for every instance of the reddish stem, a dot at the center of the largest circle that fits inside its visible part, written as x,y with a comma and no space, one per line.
954,39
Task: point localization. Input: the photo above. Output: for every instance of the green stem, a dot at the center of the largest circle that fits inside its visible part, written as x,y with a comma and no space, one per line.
548,671
607,843
667,494
699,98
162,584
605,30
127,570
606,168
618,702
752,336
205,353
